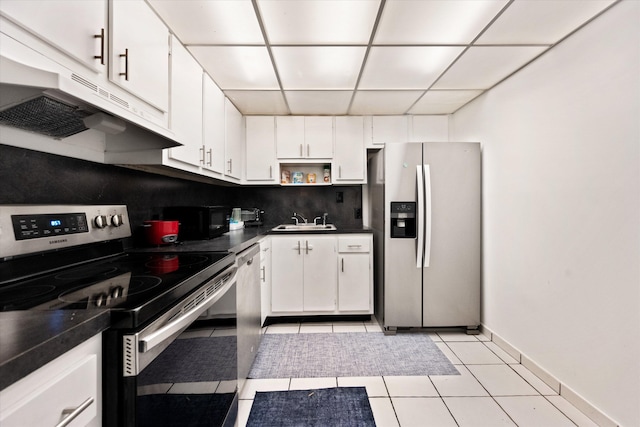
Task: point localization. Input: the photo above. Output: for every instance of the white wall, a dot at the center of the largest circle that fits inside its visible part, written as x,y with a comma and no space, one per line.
561,214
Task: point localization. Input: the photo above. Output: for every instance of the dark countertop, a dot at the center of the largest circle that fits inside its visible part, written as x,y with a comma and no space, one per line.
29,339
238,240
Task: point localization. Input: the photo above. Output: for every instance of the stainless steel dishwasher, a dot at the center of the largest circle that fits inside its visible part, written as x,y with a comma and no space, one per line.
248,309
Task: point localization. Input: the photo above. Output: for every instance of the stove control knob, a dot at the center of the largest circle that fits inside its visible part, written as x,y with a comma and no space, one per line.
101,299
117,220
100,221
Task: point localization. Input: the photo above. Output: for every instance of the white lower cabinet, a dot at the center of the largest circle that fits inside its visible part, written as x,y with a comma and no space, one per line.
355,273
67,388
321,274
265,277
303,274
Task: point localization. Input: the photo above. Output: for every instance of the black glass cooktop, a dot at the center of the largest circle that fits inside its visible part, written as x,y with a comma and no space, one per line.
133,286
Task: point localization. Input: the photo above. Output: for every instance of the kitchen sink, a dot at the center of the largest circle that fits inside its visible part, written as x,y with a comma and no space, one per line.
304,227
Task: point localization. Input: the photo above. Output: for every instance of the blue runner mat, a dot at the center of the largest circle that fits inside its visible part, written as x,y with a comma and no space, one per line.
335,407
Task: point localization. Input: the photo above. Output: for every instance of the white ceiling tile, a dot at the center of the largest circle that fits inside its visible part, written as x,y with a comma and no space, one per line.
258,102
383,102
327,22
406,67
541,22
237,67
443,101
319,102
435,22
481,67
318,67
211,22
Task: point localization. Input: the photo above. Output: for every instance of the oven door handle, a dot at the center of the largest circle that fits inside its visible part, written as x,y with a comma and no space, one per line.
180,323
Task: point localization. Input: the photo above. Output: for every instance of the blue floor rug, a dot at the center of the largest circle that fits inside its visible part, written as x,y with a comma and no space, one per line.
336,407
349,355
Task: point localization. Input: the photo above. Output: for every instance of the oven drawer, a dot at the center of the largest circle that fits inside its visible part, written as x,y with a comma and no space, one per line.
70,396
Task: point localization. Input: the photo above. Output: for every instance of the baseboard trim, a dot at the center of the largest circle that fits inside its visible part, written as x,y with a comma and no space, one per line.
563,390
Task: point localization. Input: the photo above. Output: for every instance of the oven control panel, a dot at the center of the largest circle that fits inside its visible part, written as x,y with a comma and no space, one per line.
48,225
29,229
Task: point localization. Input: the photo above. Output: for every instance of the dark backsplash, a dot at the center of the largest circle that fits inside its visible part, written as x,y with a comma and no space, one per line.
32,177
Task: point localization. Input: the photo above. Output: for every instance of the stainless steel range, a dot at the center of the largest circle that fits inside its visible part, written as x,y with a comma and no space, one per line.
73,257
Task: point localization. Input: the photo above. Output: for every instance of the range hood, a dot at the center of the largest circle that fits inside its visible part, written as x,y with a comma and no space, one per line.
41,96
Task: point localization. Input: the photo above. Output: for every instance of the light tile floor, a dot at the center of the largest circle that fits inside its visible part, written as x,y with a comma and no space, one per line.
493,389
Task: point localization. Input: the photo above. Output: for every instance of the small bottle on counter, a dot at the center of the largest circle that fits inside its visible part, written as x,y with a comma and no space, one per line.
326,174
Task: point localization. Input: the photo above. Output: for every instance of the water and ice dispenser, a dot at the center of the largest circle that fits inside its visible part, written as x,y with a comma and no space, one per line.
403,220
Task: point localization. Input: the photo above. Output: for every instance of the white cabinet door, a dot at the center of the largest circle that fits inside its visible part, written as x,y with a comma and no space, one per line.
290,137
354,271
265,278
234,140
139,52
186,105
300,137
318,135
261,164
213,126
320,275
386,129
349,157
355,274
70,381
286,274
78,28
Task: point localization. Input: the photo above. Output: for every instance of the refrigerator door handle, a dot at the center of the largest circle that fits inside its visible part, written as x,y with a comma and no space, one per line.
427,207
420,216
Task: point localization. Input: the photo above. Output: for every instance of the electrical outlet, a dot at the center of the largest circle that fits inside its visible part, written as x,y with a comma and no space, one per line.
339,197
357,213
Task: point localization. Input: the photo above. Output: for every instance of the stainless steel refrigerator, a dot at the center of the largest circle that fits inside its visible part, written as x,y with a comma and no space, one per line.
425,201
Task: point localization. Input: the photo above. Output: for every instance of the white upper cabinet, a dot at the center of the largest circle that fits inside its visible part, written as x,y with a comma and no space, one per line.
290,137
186,106
349,156
318,137
261,159
386,129
234,140
139,52
307,137
213,117
77,28
429,129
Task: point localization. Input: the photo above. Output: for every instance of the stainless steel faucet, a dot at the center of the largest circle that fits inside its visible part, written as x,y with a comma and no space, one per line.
295,218
323,218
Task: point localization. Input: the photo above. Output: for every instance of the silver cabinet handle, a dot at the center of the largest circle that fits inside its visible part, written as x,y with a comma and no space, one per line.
264,274
230,165
202,154
342,260
71,414
354,246
339,171
308,151
125,55
301,154
210,157
298,248
101,37
270,171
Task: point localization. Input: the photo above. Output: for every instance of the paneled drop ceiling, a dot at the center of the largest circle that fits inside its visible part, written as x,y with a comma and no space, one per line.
367,57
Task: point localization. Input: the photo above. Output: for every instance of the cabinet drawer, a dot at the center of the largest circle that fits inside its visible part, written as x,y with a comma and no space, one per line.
354,244
72,390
